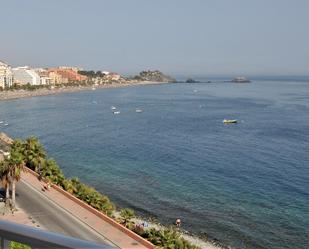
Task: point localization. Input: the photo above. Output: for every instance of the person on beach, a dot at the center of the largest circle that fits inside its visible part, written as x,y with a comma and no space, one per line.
46,186
178,222
40,177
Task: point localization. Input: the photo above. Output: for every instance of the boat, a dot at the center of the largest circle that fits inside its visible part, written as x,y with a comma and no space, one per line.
1,122
139,110
93,88
113,108
116,112
230,121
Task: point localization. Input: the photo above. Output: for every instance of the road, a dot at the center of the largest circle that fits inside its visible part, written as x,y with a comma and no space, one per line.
51,216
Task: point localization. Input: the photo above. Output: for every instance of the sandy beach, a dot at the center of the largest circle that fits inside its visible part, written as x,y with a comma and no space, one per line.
17,94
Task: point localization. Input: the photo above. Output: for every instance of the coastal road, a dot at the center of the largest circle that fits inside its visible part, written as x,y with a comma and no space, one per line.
52,217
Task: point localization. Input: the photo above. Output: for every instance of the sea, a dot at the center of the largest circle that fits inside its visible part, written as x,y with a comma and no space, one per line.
245,185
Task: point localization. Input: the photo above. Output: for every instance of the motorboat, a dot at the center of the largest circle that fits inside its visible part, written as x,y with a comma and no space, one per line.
113,108
116,112
230,121
139,110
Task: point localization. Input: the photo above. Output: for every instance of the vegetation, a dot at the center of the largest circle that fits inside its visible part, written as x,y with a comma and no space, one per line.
154,76
10,170
91,73
88,82
16,245
30,153
167,238
27,87
126,215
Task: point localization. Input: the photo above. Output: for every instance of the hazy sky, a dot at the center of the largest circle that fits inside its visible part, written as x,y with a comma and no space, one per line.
202,37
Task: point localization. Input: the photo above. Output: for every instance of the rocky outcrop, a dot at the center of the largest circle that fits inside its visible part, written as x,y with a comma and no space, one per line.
190,80
153,76
240,80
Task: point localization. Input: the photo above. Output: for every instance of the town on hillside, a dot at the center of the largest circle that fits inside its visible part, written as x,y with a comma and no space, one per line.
25,77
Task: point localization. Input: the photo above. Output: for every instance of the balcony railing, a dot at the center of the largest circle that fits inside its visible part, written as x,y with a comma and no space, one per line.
37,238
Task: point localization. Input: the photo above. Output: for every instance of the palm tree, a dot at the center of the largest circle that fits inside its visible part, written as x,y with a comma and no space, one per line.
5,178
69,186
51,170
34,152
14,166
126,214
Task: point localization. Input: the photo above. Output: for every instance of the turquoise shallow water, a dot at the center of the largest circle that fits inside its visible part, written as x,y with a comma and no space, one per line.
246,185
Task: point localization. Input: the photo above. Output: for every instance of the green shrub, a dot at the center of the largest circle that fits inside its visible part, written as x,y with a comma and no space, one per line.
167,238
16,245
35,158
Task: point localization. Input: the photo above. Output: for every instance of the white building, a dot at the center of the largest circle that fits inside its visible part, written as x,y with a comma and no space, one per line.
25,75
6,75
44,76
44,80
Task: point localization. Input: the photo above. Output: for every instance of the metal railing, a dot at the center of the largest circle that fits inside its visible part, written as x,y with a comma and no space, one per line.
37,238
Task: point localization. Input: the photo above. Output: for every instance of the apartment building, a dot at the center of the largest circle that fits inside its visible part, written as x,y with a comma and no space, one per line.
67,74
6,75
26,75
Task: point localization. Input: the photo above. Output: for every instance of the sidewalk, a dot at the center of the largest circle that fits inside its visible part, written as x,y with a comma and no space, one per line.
115,233
21,217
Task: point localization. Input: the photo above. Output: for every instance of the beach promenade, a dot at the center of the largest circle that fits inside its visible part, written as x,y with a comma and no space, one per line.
20,94
57,211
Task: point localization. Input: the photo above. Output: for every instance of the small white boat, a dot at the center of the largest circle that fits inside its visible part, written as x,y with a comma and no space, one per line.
116,112
113,108
93,88
6,124
138,110
1,122
230,121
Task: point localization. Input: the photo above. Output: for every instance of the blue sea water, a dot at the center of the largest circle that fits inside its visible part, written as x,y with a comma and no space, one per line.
246,185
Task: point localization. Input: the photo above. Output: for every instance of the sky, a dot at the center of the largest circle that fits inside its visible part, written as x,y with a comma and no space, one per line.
178,37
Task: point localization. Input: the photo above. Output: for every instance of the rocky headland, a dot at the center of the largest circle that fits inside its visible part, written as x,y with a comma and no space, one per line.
154,76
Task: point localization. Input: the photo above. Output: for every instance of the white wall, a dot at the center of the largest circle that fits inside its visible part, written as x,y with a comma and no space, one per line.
6,76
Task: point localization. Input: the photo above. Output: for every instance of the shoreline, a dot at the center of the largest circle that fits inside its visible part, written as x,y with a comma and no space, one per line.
187,235
21,94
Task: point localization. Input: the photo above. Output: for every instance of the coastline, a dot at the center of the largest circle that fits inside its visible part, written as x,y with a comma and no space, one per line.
19,94
192,238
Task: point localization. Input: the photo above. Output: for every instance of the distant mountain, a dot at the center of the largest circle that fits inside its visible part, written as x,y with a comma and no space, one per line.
153,76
